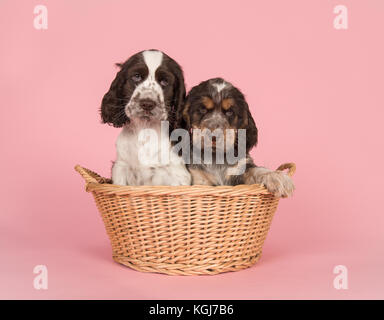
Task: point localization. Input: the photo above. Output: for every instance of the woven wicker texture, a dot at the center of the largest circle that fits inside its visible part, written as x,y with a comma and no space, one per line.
185,230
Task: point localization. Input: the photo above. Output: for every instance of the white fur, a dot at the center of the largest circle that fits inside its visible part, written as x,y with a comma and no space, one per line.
129,170
153,60
220,86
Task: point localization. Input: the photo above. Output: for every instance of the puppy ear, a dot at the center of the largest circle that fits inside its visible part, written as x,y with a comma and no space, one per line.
178,96
250,126
113,105
180,90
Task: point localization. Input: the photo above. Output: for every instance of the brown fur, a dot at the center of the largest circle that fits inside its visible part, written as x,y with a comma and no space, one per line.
227,103
229,98
208,102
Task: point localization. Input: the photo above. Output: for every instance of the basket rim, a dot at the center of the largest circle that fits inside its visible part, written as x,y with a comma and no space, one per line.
98,184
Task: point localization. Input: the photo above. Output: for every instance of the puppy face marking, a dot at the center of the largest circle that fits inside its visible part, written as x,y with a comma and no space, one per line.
208,102
220,86
153,60
227,103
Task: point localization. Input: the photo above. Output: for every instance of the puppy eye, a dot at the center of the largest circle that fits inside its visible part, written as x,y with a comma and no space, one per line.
203,110
163,83
229,113
136,77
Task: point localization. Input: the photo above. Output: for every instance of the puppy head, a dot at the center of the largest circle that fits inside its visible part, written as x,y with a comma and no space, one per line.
149,87
217,104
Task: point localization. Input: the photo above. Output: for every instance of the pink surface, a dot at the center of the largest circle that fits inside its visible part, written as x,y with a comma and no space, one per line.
317,97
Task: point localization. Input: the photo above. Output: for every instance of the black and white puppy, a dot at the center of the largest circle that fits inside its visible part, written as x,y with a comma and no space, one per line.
216,104
147,90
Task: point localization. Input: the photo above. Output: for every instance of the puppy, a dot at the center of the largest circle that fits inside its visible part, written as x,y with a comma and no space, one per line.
217,104
146,91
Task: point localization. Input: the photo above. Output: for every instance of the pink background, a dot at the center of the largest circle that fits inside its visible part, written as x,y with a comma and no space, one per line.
316,94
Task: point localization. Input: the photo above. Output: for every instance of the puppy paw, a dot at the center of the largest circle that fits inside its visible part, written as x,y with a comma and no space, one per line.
277,182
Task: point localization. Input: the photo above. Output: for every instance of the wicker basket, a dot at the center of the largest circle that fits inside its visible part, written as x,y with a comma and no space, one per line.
185,230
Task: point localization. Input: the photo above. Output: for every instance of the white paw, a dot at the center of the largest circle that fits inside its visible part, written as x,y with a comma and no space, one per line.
171,176
181,178
277,182
119,175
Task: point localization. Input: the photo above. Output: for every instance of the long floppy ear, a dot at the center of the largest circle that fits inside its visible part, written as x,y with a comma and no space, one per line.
180,91
113,105
250,126
178,95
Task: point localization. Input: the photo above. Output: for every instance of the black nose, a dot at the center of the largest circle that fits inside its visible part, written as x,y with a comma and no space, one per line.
147,104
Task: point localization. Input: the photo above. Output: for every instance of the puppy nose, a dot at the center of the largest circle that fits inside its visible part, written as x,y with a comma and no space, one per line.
147,104
220,125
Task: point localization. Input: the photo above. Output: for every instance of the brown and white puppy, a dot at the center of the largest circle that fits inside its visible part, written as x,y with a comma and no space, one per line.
217,104
146,91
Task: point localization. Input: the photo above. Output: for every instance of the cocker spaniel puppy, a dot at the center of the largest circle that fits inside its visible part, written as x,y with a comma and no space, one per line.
216,106
146,91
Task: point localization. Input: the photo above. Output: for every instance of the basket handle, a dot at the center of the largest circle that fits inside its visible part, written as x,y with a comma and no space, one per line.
290,166
89,176
86,174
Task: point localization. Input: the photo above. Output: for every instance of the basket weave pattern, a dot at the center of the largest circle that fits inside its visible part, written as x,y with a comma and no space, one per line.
184,230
